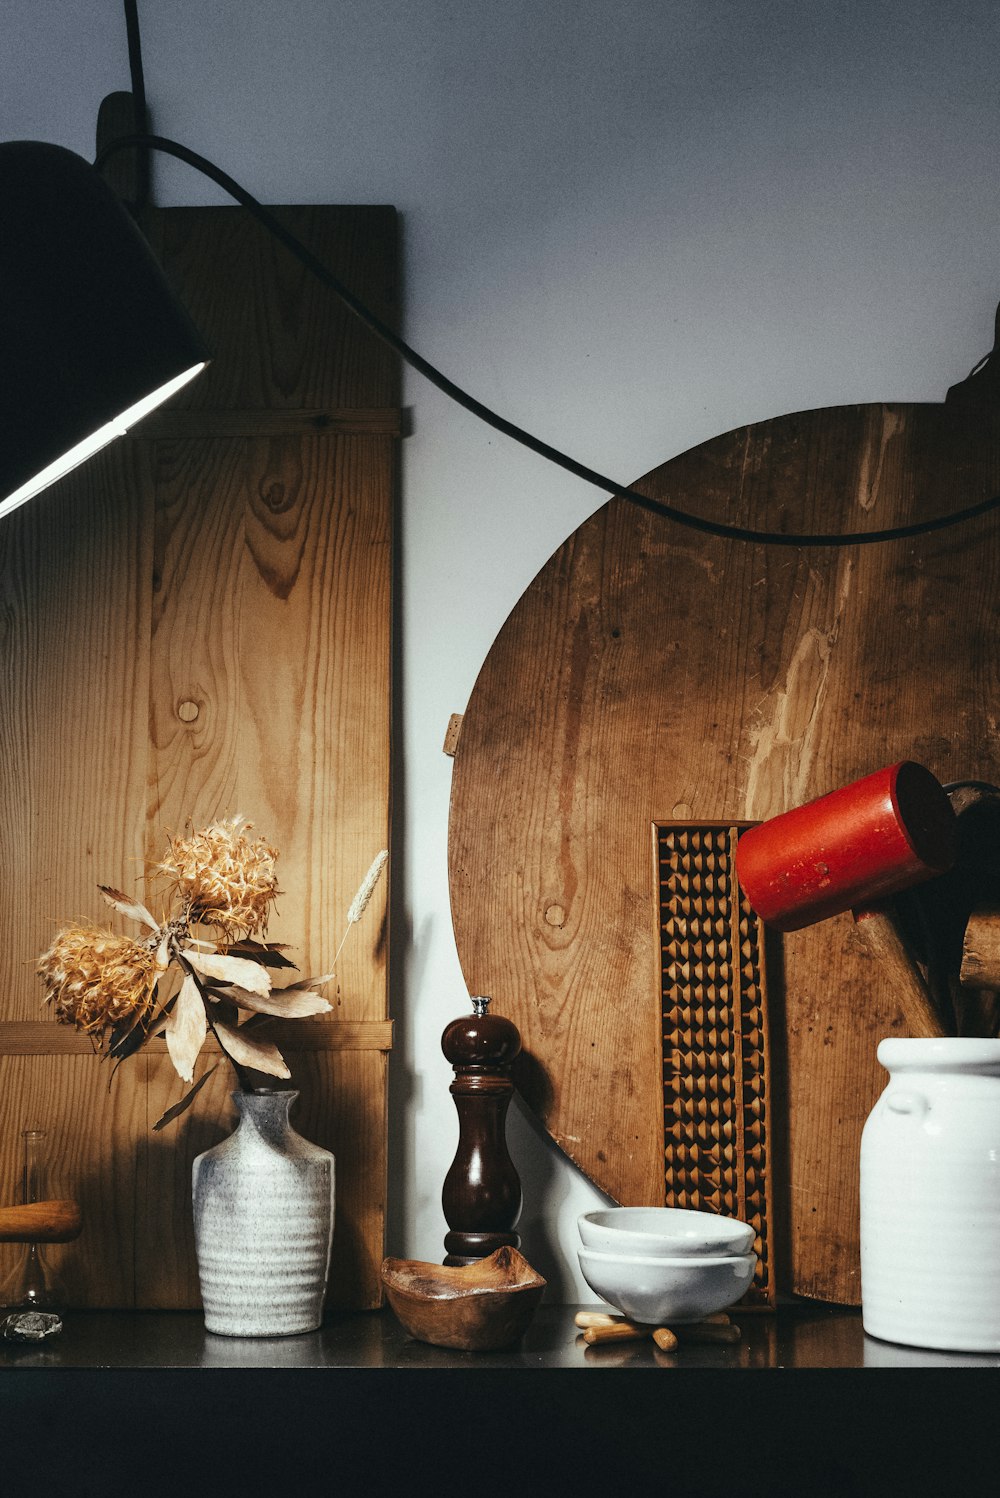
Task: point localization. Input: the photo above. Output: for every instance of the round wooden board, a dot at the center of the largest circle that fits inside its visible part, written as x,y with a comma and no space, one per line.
654,673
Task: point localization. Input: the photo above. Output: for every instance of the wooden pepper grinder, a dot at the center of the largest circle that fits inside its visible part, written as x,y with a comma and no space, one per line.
482,1191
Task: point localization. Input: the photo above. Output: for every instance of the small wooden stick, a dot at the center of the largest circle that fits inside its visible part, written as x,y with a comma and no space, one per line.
707,1331
583,1319
619,1331
665,1339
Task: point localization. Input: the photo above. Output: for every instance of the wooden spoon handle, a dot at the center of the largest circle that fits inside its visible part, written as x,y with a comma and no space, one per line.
41,1222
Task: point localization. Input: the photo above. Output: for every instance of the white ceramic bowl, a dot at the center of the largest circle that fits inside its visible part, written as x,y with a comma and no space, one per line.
664,1231
662,1291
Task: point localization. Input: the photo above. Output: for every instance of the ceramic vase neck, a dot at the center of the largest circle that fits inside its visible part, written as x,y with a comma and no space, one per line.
266,1113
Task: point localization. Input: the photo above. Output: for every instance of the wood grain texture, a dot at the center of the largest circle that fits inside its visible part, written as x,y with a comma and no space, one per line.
167,423
92,1138
649,673
196,624
43,1038
269,639
74,586
281,340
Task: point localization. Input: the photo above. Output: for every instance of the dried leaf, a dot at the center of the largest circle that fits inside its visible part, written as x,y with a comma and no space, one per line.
134,909
297,1001
268,954
186,1029
129,1036
254,1022
126,1040
260,1055
314,984
162,958
224,1010
235,970
178,1108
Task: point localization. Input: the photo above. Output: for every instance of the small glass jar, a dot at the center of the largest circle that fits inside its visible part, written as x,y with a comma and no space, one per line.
32,1284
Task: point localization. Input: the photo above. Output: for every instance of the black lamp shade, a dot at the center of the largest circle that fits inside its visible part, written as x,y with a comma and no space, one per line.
91,336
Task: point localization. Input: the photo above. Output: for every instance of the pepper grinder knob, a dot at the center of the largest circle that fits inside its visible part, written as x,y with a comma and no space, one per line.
482,1191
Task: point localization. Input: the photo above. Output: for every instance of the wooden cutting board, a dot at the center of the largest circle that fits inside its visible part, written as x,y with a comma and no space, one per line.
651,674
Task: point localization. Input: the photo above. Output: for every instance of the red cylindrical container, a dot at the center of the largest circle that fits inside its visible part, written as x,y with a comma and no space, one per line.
852,848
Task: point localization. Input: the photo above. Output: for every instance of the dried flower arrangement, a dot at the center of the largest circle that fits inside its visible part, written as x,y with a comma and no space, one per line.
205,968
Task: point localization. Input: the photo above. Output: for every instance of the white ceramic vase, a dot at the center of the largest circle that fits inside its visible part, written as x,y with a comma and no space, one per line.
263,1223
930,1197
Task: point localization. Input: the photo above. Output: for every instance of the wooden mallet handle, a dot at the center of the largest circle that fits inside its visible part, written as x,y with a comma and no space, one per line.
981,948
883,939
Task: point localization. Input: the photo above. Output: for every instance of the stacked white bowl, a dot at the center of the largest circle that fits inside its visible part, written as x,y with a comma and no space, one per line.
666,1265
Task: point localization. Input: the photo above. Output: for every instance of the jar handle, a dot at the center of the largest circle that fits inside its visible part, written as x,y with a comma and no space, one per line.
912,1103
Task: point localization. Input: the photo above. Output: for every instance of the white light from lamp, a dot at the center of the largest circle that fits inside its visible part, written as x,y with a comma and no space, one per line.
92,444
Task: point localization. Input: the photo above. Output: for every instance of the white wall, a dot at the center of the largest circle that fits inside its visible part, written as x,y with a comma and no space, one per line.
629,225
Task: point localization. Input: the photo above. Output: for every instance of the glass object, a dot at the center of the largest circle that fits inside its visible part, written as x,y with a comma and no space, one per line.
32,1285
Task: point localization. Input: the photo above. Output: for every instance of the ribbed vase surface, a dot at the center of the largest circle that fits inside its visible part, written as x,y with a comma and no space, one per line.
930,1197
263,1223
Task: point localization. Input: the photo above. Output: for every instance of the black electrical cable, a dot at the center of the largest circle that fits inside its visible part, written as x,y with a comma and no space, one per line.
139,196
135,64
500,423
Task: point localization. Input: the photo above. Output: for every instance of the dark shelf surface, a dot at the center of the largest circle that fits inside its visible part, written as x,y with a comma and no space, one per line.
804,1337
118,1405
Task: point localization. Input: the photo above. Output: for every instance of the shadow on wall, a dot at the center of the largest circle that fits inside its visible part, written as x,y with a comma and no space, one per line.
547,1179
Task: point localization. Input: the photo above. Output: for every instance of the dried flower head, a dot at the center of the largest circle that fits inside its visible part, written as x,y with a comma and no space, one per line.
225,877
96,979
360,902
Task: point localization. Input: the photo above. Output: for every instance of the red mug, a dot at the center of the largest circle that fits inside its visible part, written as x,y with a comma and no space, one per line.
849,849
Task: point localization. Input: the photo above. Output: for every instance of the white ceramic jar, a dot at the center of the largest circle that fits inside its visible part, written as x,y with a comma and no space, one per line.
930,1197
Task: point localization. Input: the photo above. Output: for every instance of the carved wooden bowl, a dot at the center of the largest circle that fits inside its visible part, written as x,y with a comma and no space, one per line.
479,1307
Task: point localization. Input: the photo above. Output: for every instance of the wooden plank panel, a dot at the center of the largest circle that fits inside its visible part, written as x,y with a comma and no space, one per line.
280,339
93,1136
268,677
170,424
342,1106
75,584
649,673
75,576
43,1038
194,626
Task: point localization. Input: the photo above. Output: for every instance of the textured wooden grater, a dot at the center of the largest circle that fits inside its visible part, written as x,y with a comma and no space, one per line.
715,1053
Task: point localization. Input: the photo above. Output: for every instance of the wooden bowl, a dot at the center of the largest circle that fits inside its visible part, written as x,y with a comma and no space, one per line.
479,1307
